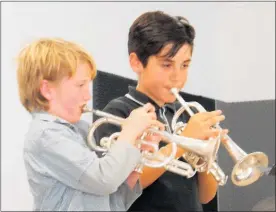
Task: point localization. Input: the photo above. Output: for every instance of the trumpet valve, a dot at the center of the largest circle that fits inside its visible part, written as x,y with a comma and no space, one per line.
104,142
179,128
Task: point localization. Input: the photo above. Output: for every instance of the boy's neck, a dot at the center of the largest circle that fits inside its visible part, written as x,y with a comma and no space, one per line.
144,91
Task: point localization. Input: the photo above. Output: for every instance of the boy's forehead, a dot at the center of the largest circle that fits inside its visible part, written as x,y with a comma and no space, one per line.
185,52
84,71
165,49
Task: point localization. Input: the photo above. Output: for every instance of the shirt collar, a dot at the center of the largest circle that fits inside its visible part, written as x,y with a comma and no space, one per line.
143,98
45,116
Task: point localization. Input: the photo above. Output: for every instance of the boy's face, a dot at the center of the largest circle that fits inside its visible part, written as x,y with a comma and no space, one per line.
163,73
71,94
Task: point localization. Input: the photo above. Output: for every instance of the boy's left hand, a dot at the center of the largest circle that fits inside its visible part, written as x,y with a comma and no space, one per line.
151,138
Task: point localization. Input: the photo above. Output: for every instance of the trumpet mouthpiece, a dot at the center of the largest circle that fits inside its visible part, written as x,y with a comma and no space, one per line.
85,109
174,90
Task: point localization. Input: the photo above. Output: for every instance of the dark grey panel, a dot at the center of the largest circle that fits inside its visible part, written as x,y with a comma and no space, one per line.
252,127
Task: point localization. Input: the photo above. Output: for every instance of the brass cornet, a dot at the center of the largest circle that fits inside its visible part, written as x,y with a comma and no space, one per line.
155,159
247,166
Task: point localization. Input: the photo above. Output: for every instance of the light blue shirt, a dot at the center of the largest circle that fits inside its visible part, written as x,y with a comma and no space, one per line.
64,174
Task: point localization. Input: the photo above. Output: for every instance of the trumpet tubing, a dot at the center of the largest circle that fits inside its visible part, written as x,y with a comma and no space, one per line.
218,174
179,167
107,142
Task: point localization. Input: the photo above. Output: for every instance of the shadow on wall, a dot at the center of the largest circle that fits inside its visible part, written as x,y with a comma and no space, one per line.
267,204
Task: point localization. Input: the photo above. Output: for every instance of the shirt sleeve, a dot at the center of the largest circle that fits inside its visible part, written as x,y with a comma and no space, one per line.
125,197
64,158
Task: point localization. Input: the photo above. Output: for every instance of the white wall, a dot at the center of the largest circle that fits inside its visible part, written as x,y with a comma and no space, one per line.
235,45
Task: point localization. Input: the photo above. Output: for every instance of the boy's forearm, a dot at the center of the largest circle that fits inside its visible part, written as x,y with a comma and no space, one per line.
207,186
106,174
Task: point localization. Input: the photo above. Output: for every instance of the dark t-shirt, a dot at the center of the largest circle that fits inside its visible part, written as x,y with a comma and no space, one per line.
170,192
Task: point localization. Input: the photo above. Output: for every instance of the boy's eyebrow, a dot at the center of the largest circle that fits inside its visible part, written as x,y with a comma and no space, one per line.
170,60
83,80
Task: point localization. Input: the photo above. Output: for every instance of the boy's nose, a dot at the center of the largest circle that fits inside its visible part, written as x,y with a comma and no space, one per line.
87,96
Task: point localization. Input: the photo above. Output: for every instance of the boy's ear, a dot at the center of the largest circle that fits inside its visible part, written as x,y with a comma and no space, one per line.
45,89
135,63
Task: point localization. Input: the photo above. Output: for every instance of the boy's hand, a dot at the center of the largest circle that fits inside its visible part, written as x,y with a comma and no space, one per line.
132,179
138,121
200,125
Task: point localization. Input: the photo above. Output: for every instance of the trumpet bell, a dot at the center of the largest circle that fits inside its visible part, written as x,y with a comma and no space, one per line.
246,171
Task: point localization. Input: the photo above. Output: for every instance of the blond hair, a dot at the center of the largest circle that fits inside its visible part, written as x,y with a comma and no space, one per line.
47,59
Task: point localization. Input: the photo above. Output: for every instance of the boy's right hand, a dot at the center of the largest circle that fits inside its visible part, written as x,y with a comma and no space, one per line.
200,125
138,121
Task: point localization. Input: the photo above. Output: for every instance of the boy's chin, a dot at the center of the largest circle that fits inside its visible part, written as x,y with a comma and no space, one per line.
74,119
170,99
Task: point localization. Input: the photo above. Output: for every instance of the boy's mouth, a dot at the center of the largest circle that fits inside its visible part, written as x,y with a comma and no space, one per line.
170,88
82,107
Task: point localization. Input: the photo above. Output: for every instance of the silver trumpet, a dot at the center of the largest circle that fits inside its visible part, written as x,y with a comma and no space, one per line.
247,166
148,158
155,159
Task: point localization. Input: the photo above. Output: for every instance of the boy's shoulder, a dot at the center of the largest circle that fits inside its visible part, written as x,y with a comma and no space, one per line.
121,106
121,101
44,130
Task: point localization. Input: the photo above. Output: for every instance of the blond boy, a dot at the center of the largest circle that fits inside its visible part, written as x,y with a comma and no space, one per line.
63,173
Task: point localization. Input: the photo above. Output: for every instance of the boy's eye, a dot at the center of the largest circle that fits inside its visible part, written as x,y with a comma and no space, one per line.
166,65
81,85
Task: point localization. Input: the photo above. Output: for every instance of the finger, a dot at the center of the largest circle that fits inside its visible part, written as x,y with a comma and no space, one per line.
152,115
225,132
158,124
148,137
149,107
155,138
216,132
214,120
208,115
212,133
145,147
224,138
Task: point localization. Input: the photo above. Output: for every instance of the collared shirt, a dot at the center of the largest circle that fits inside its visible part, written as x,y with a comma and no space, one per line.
64,174
170,192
